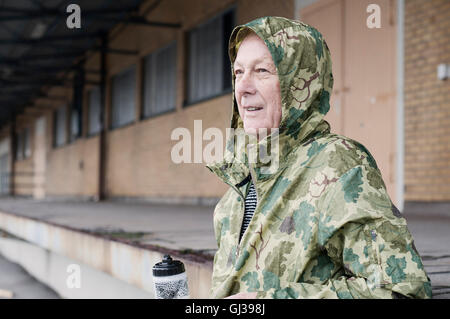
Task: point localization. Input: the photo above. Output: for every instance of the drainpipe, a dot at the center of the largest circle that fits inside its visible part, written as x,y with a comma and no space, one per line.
103,126
400,164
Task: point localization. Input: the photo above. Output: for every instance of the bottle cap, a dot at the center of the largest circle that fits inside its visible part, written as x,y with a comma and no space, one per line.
168,267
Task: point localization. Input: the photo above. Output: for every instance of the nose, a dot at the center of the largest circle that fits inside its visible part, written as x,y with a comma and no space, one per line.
245,84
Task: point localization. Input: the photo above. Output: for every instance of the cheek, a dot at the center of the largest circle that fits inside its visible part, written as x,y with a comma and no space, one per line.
273,100
236,97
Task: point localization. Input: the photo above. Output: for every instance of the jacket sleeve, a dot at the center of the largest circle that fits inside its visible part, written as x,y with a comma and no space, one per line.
363,233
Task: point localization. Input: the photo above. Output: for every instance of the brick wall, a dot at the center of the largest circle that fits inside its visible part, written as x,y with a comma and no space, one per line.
427,101
23,177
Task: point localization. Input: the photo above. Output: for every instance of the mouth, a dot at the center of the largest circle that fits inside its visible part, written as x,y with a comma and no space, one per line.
252,108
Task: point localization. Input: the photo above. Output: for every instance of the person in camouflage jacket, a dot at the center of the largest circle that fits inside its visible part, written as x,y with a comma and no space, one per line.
324,225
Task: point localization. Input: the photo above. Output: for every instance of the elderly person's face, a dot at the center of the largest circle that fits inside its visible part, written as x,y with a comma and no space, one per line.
257,88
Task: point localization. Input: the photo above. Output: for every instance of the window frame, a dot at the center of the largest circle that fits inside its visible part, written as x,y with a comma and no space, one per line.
152,55
55,127
112,124
23,149
4,174
26,135
225,75
73,137
89,132
19,146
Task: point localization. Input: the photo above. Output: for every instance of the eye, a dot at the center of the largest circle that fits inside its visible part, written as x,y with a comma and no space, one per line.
262,70
238,71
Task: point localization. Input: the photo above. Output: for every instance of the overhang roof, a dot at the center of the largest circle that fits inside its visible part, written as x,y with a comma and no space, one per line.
38,50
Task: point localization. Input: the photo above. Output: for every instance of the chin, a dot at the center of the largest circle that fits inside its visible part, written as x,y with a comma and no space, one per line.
254,131
254,128
251,127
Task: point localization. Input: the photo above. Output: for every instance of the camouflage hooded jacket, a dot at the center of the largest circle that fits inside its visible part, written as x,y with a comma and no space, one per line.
324,225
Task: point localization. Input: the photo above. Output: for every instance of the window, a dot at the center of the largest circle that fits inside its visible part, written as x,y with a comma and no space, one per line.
209,72
4,174
75,123
94,110
23,147
123,97
76,108
26,143
59,127
19,147
160,81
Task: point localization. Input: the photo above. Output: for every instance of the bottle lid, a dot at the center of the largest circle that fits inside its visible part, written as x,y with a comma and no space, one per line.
168,267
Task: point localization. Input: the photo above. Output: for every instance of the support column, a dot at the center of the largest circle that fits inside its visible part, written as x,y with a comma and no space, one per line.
103,125
12,157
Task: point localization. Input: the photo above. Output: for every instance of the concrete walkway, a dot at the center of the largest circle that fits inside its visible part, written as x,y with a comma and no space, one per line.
179,227
189,228
23,286
432,239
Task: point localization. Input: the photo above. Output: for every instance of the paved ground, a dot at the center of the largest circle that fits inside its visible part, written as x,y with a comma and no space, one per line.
14,278
180,227
187,227
432,238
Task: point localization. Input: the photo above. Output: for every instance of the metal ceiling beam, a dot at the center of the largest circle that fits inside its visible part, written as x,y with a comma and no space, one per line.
38,4
92,71
58,47
98,16
143,21
53,98
18,87
46,107
35,83
62,56
39,82
24,117
119,51
30,71
27,70
33,111
22,63
55,12
67,37
35,57
92,82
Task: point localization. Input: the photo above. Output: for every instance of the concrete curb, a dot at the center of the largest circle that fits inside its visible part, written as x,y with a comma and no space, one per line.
121,260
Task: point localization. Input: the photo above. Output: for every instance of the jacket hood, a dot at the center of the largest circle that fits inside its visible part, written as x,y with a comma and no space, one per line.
304,68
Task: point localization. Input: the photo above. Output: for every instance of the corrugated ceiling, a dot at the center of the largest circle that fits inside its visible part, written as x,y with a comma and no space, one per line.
38,50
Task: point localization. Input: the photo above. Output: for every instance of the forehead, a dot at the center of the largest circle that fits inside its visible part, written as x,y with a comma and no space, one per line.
253,49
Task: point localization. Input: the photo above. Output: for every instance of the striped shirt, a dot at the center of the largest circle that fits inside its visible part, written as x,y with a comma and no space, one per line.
250,205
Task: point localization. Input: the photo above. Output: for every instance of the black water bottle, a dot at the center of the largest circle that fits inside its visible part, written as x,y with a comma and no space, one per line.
170,280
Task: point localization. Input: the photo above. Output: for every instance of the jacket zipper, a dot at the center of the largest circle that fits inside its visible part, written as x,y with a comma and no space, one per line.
256,208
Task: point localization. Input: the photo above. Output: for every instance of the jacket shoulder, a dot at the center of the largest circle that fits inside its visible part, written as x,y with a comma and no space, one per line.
337,151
